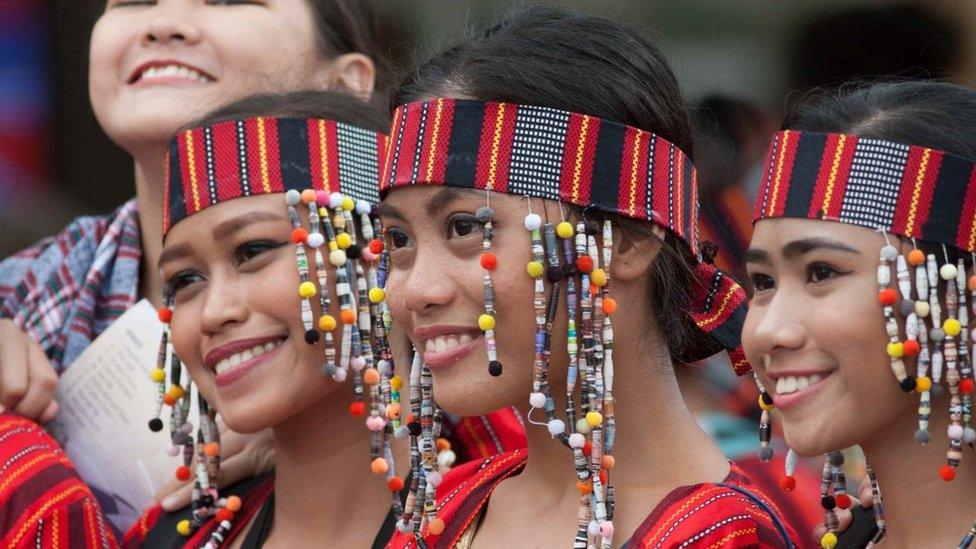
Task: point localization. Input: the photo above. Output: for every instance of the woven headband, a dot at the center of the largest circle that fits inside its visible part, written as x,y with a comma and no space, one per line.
907,190
212,164
575,158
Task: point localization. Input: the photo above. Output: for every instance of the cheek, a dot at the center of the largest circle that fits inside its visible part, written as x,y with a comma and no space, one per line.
108,40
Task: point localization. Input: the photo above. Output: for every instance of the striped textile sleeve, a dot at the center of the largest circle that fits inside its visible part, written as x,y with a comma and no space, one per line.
45,503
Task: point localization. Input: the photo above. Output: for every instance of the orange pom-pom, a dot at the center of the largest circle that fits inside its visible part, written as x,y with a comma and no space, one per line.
376,246
183,472
357,409
299,235
489,261
609,305
584,263
947,472
971,283
887,296
308,196
607,462
211,449
843,501
224,514
442,444
436,527
911,347
379,466
395,484
347,316
584,486
165,315
169,400
787,483
371,376
966,386
916,258
603,476
233,503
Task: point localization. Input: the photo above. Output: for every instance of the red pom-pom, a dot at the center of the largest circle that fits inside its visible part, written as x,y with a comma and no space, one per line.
395,484
169,400
165,315
787,483
966,386
298,236
911,347
887,296
224,514
584,263
843,501
183,472
587,448
376,246
947,472
609,306
357,409
489,261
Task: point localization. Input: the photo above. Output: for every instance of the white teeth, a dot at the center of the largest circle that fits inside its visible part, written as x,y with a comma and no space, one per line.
465,338
176,70
440,344
236,359
792,384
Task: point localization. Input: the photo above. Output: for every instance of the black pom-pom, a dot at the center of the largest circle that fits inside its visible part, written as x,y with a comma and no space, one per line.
206,500
592,228
311,337
767,398
484,214
828,502
836,459
907,384
414,427
495,368
554,274
354,252
155,425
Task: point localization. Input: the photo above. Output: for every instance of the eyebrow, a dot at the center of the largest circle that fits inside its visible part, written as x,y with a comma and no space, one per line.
219,232
442,198
800,247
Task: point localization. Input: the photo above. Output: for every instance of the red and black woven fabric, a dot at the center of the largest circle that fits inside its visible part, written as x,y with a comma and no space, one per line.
45,503
575,158
237,158
912,191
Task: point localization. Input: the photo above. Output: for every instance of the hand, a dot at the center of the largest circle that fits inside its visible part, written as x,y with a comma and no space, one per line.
865,498
241,457
27,378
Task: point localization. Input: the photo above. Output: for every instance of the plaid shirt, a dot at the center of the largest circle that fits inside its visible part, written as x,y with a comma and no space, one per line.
65,290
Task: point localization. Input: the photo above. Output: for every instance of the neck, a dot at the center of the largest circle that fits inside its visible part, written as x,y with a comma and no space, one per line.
921,509
150,175
322,473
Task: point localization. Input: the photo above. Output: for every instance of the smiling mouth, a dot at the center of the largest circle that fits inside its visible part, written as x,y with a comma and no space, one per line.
446,343
169,72
228,363
793,384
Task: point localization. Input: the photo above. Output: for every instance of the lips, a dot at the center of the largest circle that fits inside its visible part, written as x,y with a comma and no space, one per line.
445,345
226,351
793,388
168,70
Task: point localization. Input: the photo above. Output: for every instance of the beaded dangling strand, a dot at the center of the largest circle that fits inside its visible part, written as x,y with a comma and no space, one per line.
948,333
306,288
489,262
888,298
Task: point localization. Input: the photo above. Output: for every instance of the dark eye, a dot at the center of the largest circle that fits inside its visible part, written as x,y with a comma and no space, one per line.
128,3
251,249
461,225
818,272
181,281
761,282
397,239
231,2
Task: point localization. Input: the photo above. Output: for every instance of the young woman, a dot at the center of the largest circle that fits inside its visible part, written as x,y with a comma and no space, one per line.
267,265
500,197
862,263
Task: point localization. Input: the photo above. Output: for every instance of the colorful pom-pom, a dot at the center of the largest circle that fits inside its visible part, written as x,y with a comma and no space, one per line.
347,316
584,263
922,308
376,246
609,306
828,541
495,368
371,376
395,484
308,196
183,472
896,349
337,258
165,315
532,222
584,487
486,322
843,501
233,503
911,347
158,375
923,383
306,289
327,323
224,514
887,296
599,278
787,483
175,391
966,386
348,204
376,295
442,444
396,383
435,527
489,261
565,230
948,272
916,258
299,235
971,283
947,472
607,462
211,449
155,425
292,197
594,419
183,527
357,409
343,240
952,327
535,269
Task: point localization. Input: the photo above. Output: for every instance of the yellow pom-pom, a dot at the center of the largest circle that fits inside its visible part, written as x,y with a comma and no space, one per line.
327,323
896,349
176,392
396,383
535,269
763,405
379,466
348,203
565,230
306,289
923,383
599,278
594,419
952,327
343,240
828,541
376,295
183,527
486,322
158,375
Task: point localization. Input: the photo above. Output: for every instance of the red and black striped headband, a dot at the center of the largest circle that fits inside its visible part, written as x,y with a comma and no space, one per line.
575,158
907,190
208,165
546,153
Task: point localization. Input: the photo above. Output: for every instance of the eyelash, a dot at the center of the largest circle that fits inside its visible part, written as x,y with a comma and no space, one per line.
451,223
242,254
758,280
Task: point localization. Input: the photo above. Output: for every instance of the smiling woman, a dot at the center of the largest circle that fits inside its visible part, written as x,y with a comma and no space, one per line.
862,263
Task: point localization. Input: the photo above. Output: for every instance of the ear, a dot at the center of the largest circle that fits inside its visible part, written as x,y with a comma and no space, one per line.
353,72
632,259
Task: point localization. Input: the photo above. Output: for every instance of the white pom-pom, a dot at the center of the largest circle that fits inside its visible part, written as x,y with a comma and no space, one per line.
582,426
434,478
889,253
446,458
576,440
948,272
556,427
293,197
383,367
537,400
358,363
335,200
533,222
337,257
340,375
315,240
363,207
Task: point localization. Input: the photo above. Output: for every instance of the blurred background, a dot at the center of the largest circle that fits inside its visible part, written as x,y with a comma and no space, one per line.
740,63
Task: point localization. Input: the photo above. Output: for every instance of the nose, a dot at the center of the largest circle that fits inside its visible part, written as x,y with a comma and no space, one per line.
776,325
171,25
222,307
423,286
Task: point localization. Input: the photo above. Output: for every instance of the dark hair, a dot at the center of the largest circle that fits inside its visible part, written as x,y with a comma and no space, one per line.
331,105
350,26
545,56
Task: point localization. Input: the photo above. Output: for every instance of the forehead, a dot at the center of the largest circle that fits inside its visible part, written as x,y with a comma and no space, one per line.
772,233
202,224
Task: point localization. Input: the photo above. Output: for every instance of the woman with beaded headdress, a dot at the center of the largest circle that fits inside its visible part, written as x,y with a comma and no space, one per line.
539,210
862,263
